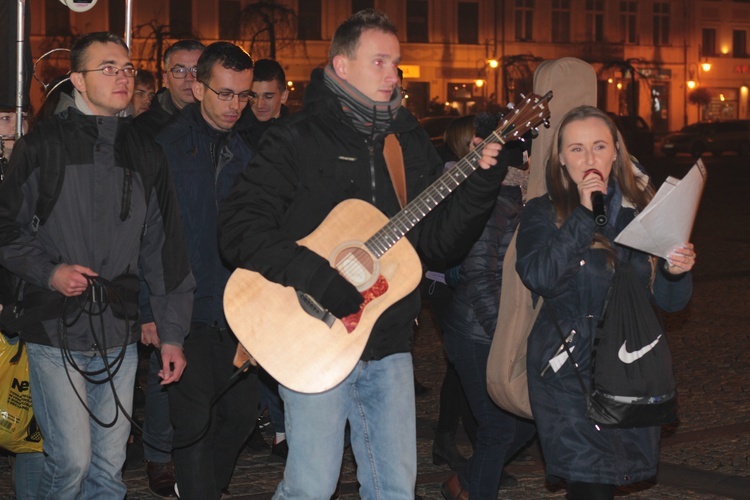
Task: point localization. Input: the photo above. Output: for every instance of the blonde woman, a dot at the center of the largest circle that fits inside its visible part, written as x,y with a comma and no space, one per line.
569,260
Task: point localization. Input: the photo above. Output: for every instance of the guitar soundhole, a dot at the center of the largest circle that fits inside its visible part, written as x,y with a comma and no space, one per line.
357,266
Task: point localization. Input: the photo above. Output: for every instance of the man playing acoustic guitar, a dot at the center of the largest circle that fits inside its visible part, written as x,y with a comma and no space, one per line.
331,151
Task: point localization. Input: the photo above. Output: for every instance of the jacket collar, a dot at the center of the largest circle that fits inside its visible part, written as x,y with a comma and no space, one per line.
319,100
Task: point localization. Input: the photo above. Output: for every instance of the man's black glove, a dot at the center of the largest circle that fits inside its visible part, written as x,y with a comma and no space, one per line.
334,292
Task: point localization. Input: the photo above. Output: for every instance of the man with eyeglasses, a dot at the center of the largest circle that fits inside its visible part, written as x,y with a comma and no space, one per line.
205,156
179,61
113,208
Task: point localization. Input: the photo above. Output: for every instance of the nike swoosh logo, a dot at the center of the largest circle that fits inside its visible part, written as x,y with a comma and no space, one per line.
629,357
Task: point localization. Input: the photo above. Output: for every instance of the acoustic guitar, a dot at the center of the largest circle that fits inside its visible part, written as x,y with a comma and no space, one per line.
301,344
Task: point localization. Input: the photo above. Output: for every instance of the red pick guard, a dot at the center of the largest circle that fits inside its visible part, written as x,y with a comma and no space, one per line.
372,293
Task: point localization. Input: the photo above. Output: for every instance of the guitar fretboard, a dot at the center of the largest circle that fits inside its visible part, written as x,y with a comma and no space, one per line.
419,207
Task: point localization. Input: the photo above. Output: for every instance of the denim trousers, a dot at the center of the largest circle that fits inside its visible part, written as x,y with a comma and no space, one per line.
157,426
83,459
209,433
500,435
269,395
28,470
377,399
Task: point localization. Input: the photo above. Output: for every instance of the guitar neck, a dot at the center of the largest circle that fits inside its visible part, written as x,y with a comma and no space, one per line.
419,207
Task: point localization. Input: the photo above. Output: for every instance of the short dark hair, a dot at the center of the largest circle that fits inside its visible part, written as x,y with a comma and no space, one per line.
229,55
186,45
145,77
346,37
78,51
269,70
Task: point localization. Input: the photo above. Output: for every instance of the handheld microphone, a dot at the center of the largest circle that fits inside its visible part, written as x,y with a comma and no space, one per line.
597,201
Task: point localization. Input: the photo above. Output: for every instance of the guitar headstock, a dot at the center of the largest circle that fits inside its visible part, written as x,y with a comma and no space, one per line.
527,115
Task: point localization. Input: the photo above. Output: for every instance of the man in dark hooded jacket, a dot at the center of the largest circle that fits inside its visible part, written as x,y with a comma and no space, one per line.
205,156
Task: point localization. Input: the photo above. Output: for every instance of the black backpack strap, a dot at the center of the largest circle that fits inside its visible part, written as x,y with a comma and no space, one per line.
51,172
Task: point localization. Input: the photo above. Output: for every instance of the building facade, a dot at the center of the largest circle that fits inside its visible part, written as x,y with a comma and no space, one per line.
671,62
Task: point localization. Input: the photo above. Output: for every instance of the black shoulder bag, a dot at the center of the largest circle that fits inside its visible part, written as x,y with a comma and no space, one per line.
632,381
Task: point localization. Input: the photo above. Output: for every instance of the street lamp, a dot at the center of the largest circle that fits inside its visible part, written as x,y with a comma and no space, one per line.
692,84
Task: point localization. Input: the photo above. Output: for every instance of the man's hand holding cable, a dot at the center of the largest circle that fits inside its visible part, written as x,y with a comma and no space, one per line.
70,279
173,363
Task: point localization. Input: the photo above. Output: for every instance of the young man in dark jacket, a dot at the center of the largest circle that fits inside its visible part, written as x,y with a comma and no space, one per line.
114,208
331,151
267,104
205,156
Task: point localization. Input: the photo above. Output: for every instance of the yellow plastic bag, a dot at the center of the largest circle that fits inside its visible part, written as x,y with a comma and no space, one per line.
19,432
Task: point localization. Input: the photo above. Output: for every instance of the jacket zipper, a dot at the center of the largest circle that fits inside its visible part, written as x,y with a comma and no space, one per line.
371,148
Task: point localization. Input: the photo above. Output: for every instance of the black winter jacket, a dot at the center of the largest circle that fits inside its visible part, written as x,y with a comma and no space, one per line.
156,118
204,164
86,225
314,160
472,312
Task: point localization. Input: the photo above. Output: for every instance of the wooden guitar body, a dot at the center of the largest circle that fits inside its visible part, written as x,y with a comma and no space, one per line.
301,351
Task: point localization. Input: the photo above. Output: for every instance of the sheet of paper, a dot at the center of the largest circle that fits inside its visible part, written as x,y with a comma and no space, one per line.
666,223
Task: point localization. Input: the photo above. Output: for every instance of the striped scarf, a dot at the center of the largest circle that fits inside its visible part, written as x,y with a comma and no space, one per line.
369,117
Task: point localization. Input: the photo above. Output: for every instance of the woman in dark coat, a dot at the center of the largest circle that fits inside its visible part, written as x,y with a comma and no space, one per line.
468,327
566,258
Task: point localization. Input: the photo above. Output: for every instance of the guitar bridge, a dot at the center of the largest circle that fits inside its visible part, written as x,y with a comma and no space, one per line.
314,309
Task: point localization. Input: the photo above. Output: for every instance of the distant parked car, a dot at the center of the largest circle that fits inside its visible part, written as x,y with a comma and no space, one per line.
709,137
435,127
637,135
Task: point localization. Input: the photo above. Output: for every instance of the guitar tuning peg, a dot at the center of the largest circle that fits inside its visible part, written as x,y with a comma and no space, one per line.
523,96
534,133
546,122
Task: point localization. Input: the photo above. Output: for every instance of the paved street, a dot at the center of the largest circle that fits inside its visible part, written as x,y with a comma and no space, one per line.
704,456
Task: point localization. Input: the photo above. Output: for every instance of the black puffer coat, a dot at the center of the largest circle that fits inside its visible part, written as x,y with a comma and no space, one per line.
560,265
472,313
316,159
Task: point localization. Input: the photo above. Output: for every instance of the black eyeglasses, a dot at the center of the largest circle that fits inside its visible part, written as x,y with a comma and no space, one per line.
127,71
181,72
228,95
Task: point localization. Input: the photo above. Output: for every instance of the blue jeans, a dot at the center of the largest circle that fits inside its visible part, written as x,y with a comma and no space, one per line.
500,435
269,395
157,426
26,475
377,399
84,460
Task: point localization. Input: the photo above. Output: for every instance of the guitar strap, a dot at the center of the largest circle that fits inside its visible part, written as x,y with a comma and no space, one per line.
394,159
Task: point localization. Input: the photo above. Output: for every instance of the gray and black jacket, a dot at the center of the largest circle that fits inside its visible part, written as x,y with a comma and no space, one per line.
116,209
